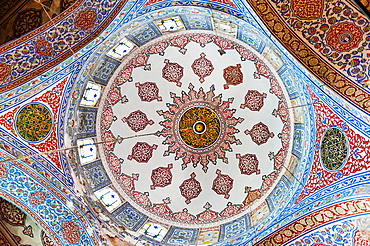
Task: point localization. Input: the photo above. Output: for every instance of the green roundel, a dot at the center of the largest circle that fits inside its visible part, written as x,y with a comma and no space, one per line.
334,149
34,122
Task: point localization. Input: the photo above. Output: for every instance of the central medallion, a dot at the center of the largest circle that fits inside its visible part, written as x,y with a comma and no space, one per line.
199,127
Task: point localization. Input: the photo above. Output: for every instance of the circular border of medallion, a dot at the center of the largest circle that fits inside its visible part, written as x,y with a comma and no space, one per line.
270,180
324,140
178,118
203,131
49,125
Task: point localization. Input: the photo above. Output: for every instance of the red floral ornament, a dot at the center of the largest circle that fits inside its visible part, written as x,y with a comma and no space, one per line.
36,198
43,48
4,71
71,232
344,36
190,188
85,19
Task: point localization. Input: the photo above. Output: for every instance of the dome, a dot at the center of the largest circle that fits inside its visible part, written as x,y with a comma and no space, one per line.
197,130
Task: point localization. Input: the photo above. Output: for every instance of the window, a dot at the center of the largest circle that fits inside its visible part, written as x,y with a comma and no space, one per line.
109,198
170,24
91,94
153,230
225,26
87,150
121,49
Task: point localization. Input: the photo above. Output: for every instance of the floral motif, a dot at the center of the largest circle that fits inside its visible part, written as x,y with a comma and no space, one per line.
161,177
11,213
114,163
37,198
28,231
183,216
142,198
115,96
231,210
307,9
181,42
202,67
208,152
86,19
207,215
361,238
222,184
253,100
172,72
3,171
203,39
233,75
190,188
34,122
252,195
46,240
107,117
4,71
137,121
142,152
124,75
248,164
148,92
259,133
344,36
44,48
71,232
158,48
268,181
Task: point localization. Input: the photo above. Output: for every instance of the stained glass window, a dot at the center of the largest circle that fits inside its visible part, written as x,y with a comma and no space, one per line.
170,24
87,150
153,230
91,94
225,26
121,49
109,198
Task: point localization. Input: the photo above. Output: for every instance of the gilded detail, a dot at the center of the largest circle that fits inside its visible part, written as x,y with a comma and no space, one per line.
334,149
34,122
199,127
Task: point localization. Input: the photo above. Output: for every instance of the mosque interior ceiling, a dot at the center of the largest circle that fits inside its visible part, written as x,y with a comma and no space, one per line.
153,122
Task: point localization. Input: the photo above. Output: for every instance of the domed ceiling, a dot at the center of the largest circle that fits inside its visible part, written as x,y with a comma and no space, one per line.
188,123
195,131
212,128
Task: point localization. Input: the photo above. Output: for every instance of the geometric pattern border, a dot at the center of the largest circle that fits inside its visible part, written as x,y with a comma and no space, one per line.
181,236
129,216
234,228
96,175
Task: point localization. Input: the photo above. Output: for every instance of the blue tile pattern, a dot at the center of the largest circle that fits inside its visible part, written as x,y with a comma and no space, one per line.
251,38
199,22
95,175
278,192
104,70
234,228
181,236
86,122
298,139
129,216
144,34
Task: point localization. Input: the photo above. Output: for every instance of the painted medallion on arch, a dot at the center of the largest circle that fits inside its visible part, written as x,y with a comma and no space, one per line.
334,149
34,122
